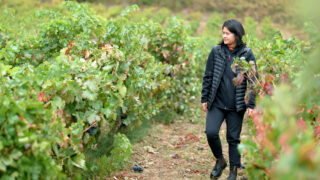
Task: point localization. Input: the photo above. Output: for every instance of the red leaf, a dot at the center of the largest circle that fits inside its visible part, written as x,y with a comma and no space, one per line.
260,129
310,111
264,85
270,77
302,124
283,142
67,51
86,54
40,96
269,88
284,78
195,171
192,137
240,80
69,46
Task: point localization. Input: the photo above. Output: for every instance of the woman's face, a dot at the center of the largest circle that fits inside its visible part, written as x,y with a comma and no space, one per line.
228,37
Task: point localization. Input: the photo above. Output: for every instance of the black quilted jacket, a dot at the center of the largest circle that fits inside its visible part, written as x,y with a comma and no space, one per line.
215,68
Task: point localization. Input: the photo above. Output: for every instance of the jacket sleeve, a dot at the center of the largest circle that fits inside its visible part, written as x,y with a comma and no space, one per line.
252,97
207,78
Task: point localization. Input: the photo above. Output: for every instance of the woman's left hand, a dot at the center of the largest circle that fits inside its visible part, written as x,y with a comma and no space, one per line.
250,111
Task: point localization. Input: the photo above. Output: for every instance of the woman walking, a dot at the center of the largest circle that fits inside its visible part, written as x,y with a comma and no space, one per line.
221,99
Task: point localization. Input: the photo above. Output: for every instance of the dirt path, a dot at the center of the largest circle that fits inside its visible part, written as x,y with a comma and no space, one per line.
175,151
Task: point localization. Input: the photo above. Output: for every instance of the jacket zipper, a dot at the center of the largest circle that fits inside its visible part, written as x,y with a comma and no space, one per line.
225,107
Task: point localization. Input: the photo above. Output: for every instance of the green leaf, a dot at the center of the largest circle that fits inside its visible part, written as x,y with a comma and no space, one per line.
15,154
79,161
91,85
58,103
122,91
89,95
46,84
7,161
3,167
93,117
77,128
106,111
97,105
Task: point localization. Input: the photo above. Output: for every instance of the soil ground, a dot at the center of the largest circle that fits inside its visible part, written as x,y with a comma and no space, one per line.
176,151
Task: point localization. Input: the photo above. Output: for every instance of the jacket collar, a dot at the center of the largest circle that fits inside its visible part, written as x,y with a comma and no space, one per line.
238,50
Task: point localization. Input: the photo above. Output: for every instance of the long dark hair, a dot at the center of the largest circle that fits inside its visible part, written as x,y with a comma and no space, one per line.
236,28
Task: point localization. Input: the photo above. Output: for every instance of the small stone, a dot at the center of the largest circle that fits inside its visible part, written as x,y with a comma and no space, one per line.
137,168
200,148
149,149
176,156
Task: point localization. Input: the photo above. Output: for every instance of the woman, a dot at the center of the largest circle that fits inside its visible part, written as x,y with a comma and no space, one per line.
222,100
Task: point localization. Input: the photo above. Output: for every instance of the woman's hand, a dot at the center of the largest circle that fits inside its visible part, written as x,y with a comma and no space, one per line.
250,111
204,107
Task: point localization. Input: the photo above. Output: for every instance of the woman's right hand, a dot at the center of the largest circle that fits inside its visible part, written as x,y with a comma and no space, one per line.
204,107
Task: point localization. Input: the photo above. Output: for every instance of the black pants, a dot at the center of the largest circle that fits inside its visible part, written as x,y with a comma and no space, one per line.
214,119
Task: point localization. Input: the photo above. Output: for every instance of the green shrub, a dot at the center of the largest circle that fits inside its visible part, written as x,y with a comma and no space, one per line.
268,32
214,24
194,21
250,26
82,71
